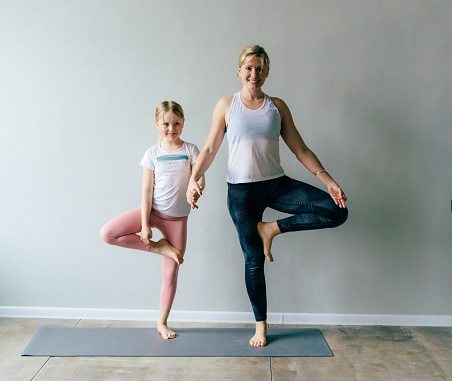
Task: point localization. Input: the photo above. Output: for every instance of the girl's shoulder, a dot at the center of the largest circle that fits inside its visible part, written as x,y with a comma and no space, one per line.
192,148
153,150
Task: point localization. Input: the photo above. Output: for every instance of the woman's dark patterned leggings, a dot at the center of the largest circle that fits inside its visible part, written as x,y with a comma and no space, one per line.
311,207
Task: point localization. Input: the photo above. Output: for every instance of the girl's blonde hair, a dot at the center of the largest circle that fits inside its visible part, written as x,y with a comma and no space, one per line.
255,51
165,107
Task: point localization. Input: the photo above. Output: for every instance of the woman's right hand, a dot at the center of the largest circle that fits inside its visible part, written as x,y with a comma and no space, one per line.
194,192
146,235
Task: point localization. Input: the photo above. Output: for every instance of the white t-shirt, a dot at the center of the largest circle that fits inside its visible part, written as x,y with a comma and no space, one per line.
172,171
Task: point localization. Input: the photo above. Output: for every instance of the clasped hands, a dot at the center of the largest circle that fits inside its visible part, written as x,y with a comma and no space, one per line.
194,192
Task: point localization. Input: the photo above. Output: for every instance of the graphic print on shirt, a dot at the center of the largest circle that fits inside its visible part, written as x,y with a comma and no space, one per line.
172,161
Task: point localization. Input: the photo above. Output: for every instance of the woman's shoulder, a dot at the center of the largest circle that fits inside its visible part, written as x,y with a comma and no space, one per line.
280,105
278,102
225,102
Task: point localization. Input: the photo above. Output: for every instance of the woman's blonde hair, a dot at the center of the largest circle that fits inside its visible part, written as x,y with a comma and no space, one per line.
165,107
255,51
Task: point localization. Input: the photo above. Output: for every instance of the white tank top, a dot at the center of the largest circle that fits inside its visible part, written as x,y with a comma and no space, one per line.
253,137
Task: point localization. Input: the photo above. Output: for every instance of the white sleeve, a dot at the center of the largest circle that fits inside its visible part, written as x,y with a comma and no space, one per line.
147,161
194,153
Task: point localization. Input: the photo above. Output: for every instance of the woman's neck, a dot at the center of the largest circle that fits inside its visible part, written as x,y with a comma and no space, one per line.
252,100
252,95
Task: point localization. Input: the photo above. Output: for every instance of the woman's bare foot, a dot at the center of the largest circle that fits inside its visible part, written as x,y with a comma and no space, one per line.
163,247
165,331
260,338
267,231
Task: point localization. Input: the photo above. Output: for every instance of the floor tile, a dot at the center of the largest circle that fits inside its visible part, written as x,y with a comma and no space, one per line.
168,369
360,353
15,334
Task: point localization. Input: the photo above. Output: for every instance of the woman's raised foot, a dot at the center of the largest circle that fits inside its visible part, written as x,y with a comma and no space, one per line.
267,231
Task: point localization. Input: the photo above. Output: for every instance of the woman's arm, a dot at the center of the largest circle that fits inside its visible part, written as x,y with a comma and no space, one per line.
196,195
210,149
146,205
293,139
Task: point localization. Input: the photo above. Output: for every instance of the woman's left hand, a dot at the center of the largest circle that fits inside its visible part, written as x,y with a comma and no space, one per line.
337,195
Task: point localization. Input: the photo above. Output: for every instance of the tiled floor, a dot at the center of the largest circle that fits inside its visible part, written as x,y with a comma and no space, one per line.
360,353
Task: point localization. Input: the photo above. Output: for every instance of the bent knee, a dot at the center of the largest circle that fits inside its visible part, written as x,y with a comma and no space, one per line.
342,216
107,236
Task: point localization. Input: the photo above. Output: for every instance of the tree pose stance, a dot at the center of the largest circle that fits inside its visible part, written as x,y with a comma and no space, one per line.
253,122
167,169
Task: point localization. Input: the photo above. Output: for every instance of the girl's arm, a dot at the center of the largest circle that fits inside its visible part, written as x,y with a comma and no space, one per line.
146,205
210,149
292,138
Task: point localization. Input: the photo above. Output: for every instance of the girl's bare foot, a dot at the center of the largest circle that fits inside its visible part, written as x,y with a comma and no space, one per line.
267,231
260,338
165,331
163,247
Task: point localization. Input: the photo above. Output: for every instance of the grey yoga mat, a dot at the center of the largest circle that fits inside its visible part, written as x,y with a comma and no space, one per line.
190,342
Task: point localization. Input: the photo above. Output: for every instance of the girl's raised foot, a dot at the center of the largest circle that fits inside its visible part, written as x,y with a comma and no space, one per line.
163,247
165,332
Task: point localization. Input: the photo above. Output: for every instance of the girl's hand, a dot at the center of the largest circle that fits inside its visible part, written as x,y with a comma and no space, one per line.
146,235
194,192
195,198
337,195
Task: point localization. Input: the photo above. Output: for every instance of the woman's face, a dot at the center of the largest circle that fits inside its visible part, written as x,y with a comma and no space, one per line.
253,73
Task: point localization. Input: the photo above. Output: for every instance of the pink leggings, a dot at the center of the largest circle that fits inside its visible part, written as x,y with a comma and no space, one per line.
122,230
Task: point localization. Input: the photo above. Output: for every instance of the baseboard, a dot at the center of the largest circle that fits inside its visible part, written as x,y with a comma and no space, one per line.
362,319
227,317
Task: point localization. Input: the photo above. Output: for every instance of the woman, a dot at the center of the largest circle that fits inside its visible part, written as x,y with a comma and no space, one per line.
253,122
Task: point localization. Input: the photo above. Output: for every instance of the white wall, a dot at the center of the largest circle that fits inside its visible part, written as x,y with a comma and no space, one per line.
369,84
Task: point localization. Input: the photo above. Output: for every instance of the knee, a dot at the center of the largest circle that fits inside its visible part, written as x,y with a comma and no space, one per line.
170,271
106,235
255,268
169,280
342,216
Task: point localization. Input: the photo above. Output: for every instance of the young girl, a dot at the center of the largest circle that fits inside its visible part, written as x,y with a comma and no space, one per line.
166,173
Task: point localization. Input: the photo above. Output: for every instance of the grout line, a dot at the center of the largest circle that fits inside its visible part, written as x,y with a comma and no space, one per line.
419,339
43,365
271,370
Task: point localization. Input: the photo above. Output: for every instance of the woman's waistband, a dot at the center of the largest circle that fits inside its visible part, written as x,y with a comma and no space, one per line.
257,184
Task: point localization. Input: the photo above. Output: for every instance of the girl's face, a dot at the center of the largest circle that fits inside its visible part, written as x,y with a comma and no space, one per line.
170,127
253,73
